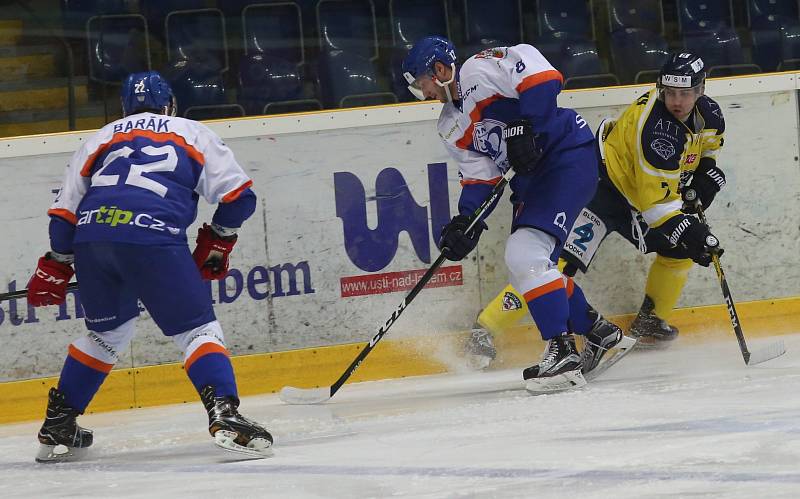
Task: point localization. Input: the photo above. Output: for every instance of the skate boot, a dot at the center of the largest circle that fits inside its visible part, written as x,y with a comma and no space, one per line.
232,431
559,369
603,336
650,331
60,438
479,348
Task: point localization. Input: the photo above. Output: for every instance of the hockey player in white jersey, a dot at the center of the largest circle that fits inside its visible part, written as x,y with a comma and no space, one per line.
500,112
129,193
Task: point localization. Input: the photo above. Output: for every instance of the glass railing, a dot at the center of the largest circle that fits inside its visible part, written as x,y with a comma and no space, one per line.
63,61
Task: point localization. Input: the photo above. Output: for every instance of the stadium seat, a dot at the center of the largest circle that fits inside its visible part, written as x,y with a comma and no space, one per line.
721,51
565,16
118,45
347,79
790,48
491,26
348,46
274,29
776,12
773,25
767,48
581,66
193,88
415,19
704,15
197,36
640,14
637,54
348,25
264,79
412,20
271,70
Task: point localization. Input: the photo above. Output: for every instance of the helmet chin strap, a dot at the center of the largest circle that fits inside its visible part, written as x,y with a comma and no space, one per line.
446,84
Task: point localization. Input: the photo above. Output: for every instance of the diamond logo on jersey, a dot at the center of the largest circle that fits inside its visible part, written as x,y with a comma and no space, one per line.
663,148
511,302
488,138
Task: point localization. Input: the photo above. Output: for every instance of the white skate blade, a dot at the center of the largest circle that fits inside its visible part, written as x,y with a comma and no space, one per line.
621,349
305,396
769,352
60,453
561,382
258,447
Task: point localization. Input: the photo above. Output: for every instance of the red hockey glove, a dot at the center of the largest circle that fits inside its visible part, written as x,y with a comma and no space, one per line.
211,253
48,285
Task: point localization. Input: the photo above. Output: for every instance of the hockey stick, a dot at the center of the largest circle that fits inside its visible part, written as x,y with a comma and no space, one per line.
292,395
764,354
22,293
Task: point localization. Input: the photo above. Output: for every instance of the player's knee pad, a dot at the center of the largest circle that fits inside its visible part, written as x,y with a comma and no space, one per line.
528,252
107,346
192,340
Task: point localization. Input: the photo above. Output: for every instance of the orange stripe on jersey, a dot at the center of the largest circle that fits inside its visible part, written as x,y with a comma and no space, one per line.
234,194
193,153
543,290
475,116
538,79
89,361
65,214
570,287
205,349
491,181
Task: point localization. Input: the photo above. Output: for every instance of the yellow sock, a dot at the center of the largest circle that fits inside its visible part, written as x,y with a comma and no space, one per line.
665,282
504,311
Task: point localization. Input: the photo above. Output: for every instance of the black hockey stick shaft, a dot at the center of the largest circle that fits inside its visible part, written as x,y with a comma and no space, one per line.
726,294
22,293
497,191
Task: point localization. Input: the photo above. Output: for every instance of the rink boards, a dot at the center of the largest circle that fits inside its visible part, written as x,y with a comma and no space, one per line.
351,204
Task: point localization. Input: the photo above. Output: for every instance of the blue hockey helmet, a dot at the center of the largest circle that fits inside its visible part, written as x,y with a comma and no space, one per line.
147,91
421,58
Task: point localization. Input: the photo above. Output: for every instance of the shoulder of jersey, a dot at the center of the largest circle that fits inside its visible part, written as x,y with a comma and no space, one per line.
711,112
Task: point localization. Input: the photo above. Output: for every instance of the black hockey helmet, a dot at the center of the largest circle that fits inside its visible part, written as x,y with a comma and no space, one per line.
682,70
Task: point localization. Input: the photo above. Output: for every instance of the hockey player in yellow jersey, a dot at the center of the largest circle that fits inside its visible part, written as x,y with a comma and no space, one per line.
660,153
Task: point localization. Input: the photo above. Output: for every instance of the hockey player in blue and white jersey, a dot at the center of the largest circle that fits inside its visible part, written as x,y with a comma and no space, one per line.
129,193
500,112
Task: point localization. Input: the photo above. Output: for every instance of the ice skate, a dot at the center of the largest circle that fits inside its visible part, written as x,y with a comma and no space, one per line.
232,431
649,330
60,438
602,338
479,348
559,369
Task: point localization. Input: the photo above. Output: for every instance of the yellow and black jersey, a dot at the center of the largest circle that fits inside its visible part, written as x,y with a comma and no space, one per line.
648,153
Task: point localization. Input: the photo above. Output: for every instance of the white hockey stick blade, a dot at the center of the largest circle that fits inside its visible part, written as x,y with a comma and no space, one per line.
621,349
561,382
258,447
769,352
305,396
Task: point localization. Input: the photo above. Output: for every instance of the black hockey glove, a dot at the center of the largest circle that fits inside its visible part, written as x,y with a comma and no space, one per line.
695,238
703,185
454,243
521,148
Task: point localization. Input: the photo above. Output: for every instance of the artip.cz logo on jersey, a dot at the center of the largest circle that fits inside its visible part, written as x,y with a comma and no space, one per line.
373,249
113,217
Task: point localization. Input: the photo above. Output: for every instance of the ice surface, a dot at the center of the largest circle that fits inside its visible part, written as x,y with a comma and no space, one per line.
689,421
